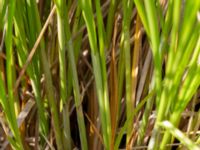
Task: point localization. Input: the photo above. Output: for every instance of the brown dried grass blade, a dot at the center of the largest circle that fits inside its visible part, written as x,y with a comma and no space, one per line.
114,102
135,66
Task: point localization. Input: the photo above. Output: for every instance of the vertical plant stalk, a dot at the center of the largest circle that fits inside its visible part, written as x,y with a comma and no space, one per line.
35,19
135,63
102,39
34,76
51,98
148,107
99,74
164,96
188,89
143,16
129,120
127,6
77,96
155,41
60,7
75,83
180,37
11,74
110,20
2,14
78,22
149,20
121,73
62,50
114,100
10,81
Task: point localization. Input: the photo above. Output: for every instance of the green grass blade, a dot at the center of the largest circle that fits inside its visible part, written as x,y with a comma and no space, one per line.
179,135
129,120
99,74
22,49
2,13
35,20
102,42
10,80
127,6
155,42
61,7
77,95
110,20
141,11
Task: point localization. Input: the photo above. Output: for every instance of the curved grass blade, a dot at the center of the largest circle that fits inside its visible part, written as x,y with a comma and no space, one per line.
179,135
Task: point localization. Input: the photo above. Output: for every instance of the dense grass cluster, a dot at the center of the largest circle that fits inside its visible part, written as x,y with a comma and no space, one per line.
97,74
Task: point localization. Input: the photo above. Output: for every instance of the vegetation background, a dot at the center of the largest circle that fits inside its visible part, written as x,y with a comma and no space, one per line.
103,74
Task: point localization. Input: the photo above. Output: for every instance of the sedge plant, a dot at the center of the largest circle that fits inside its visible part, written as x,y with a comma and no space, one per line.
126,73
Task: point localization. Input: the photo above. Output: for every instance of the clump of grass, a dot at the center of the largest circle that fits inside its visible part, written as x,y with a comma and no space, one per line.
33,69
98,61
109,74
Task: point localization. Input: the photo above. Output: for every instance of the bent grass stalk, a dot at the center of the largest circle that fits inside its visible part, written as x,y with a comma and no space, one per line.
179,135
